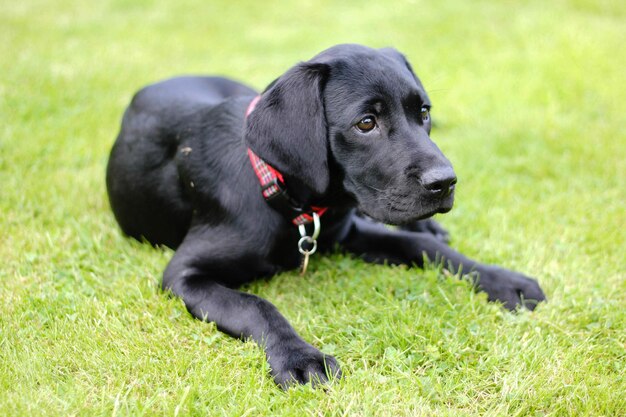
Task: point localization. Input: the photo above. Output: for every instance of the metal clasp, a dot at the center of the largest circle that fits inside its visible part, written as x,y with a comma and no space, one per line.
311,240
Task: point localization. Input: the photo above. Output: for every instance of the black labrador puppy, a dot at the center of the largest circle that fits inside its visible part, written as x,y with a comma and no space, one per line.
245,186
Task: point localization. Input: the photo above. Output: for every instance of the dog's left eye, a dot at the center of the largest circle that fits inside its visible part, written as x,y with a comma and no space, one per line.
366,124
425,113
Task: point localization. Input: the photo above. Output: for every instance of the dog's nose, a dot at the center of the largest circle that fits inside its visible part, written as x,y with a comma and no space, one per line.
439,182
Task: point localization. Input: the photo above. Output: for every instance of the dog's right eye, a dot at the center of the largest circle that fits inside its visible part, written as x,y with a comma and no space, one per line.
425,113
366,124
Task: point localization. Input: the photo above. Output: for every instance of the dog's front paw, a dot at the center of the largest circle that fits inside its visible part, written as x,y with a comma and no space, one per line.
301,363
511,288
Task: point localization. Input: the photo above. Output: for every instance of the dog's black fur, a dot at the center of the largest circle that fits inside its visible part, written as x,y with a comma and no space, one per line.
179,175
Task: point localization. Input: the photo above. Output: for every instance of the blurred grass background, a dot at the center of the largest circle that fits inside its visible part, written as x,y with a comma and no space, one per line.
529,101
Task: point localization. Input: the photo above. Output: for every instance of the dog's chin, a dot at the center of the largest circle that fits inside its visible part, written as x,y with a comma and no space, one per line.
398,216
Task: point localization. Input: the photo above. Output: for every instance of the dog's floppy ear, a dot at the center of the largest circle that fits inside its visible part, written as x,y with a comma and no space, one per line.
288,128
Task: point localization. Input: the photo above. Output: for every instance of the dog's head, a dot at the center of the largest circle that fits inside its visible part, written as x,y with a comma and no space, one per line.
360,117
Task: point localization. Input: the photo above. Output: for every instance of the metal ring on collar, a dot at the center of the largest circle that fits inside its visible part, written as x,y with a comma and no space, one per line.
316,227
310,240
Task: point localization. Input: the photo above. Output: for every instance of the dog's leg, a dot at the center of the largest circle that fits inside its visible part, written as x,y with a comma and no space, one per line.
428,226
377,243
421,226
195,277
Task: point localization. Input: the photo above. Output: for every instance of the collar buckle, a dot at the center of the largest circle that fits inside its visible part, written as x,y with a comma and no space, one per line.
276,196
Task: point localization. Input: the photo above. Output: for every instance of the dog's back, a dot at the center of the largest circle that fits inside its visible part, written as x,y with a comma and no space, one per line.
145,191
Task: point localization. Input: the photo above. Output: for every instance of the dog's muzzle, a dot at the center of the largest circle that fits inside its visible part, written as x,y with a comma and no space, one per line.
440,183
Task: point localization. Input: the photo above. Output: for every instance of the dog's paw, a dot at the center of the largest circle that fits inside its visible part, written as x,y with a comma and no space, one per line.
510,288
301,363
428,226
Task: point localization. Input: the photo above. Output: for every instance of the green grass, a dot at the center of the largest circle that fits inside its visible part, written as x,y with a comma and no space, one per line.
529,103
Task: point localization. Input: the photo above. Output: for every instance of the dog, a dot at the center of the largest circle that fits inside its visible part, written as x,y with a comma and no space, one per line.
244,185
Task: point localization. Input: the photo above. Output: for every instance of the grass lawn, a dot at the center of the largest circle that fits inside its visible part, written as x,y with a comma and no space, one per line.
529,102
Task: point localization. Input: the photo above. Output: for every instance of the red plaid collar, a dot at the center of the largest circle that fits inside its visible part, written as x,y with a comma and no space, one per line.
273,186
